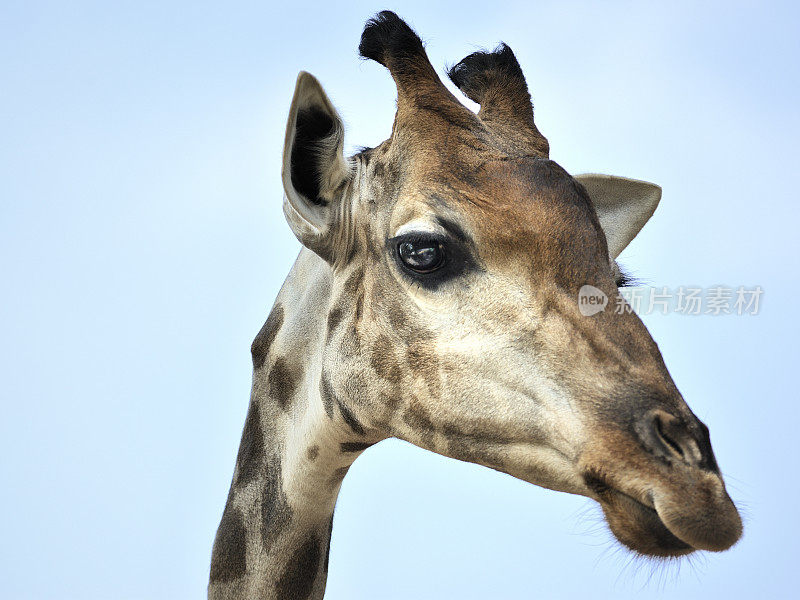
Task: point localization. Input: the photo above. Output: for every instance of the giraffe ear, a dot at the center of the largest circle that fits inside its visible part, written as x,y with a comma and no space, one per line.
623,207
315,172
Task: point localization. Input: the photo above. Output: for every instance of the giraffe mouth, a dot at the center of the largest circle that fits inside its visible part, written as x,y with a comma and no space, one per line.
636,524
681,511
640,528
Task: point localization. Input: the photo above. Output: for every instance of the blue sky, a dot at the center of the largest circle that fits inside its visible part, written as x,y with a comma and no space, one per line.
142,244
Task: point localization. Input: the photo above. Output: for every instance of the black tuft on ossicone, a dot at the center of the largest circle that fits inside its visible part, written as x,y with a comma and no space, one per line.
480,70
387,35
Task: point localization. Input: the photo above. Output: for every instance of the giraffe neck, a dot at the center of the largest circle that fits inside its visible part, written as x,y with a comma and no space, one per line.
273,540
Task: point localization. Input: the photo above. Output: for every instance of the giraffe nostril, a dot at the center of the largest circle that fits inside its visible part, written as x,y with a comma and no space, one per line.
669,437
661,431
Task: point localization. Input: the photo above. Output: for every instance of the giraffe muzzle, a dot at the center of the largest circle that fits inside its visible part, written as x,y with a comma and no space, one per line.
659,485
669,519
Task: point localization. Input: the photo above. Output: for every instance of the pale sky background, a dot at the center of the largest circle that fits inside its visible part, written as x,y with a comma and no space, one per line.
142,244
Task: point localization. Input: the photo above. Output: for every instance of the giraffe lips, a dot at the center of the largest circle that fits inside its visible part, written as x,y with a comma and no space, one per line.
639,526
671,522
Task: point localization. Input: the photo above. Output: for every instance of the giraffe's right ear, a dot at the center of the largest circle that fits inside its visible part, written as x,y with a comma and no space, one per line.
315,173
623,206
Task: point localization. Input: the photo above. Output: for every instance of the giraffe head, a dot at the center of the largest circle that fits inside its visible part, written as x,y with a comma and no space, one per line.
458,250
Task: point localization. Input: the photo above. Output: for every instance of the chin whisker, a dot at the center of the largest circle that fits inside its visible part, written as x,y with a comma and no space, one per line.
636,571
654,573
588,521
741,488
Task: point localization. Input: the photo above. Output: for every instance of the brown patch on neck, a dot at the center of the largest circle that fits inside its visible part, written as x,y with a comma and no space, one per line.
327,394
354,446
283,379
228,558
350,418
383,360
275,512
339,475
418,419
334,318
423,362
251,449
261,345
298,577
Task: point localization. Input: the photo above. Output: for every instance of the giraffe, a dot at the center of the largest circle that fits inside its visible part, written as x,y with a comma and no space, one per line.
435,299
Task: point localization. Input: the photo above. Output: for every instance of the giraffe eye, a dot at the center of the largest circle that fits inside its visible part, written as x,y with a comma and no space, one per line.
421,256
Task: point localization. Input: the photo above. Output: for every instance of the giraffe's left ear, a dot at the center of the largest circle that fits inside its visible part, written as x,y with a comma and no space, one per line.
315,171
623,207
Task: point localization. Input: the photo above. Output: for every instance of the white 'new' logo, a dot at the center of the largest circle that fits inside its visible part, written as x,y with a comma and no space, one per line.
591,300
